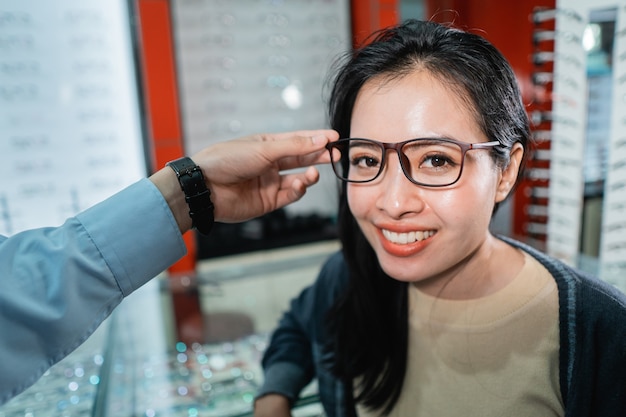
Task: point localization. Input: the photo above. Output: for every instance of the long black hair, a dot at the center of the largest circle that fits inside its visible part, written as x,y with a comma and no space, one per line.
369,324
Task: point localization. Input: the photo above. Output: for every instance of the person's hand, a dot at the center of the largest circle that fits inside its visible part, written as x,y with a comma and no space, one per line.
246,175
272,405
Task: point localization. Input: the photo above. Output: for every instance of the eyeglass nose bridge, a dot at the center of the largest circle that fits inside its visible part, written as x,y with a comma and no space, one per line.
405,164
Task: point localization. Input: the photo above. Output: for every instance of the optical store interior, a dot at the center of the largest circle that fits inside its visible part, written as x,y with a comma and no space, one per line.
117,88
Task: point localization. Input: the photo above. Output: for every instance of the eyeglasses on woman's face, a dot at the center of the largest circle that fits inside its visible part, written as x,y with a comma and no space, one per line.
430,162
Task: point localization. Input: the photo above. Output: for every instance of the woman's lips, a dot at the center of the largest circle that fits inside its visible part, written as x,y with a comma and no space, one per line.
404,244
404,238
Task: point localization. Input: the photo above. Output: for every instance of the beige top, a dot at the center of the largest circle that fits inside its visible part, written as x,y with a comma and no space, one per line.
494,356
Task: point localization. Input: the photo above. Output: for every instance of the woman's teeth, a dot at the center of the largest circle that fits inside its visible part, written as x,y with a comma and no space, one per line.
405,238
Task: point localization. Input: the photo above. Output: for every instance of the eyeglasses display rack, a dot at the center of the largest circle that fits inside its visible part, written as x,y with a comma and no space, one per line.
70,124
534,187
613,238
255,66
587,196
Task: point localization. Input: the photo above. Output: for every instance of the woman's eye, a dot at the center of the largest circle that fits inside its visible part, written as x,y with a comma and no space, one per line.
365,162
437,161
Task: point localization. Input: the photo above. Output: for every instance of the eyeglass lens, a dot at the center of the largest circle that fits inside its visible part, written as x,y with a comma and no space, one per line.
425,161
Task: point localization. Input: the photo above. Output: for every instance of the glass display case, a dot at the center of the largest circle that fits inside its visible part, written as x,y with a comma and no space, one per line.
218,379
133,365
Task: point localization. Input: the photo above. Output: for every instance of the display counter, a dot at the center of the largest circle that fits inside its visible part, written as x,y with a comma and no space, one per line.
213,380
133,365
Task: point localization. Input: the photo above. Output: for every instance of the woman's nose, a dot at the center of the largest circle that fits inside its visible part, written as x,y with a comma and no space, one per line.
398,196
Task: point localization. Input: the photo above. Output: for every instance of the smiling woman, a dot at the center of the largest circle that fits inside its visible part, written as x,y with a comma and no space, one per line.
419,105
425,312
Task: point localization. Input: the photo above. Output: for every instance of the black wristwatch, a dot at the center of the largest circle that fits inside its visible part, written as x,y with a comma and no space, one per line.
197,195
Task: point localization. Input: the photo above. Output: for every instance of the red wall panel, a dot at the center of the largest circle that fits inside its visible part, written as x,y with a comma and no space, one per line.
371,15
161,96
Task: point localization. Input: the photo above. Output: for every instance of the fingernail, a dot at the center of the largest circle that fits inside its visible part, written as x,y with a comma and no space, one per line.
318,139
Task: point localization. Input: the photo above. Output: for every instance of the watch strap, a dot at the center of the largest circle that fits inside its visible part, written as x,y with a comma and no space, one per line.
197,195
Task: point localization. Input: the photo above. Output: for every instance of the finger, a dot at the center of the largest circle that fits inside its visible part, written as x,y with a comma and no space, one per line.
294,186
309,177
296,144
300,161
291,194
287,136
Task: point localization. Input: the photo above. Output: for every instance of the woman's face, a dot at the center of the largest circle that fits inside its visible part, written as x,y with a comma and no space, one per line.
420,234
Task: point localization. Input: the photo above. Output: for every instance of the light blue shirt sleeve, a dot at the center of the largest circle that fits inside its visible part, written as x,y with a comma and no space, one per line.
58,284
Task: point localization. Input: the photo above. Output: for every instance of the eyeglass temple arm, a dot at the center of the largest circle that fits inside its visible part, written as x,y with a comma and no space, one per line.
482,145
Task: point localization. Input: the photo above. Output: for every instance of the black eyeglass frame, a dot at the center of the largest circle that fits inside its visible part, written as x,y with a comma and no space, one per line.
465,146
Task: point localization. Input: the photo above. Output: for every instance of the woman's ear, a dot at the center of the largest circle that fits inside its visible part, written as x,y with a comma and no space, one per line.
509,173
